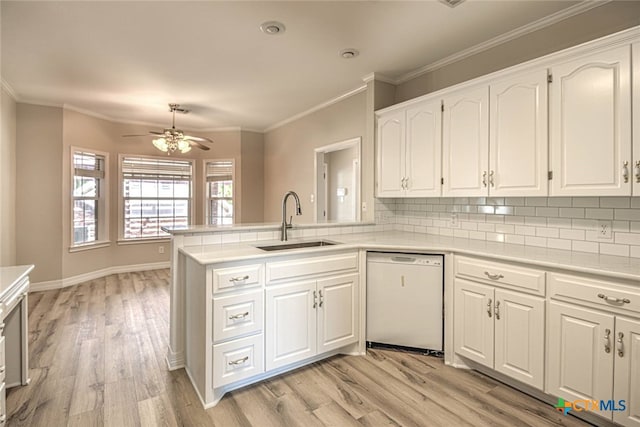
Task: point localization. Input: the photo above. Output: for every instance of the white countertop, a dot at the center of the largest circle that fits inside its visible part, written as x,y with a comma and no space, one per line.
262,226
10,276
613,266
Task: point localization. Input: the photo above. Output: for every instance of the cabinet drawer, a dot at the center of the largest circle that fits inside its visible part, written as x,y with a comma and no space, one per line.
510,276
299,268
237,315
2,360
241,277
603,294
237,360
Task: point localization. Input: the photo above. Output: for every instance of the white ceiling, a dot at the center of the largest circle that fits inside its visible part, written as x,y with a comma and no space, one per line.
127,60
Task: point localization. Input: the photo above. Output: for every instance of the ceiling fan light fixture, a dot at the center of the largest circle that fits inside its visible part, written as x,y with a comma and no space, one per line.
184,146
161,144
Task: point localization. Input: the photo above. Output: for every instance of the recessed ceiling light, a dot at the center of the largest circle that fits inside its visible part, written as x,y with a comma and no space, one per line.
349,53
272,28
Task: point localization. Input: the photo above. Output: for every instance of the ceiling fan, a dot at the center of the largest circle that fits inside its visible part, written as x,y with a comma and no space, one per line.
172,139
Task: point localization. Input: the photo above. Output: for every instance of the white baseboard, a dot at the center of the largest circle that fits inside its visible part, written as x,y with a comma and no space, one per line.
74,280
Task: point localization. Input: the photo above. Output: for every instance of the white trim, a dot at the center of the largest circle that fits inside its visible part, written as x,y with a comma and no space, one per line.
89,246
317,107
7,87
380,77
85,277
143,240
547,21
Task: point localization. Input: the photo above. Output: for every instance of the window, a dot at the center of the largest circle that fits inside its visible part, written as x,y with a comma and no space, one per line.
89,211
155,193
219,192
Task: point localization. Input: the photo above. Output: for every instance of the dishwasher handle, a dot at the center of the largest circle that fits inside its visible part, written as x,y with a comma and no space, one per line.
403,259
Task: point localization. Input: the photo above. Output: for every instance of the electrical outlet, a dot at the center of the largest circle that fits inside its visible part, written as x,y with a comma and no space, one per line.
453,222
312,198
604,230
160,249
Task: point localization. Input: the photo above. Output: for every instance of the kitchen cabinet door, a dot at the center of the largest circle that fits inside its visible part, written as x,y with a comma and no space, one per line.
518,143
590,125
424,149
581,345
337,312
465,143
391,154
290,324
627,371
519,337
473,321
636,119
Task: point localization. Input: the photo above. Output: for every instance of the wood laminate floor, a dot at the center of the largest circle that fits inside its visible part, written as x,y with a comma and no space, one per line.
97,358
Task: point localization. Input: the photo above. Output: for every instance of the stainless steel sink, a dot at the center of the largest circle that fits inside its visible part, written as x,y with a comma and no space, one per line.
298,245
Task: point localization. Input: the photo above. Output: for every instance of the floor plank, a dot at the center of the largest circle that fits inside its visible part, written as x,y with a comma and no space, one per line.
97,354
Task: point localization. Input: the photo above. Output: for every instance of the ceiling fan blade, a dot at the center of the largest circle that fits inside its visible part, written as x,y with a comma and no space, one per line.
197,138
151,133
197,144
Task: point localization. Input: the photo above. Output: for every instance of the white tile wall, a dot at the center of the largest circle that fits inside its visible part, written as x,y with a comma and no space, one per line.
554,222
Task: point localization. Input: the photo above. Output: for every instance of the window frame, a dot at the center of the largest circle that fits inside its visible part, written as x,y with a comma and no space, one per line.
132,241
205,192
102,217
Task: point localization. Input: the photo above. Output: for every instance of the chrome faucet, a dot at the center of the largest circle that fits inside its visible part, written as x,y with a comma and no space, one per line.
283,230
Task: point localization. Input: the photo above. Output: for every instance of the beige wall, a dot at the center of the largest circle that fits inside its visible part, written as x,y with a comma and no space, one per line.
45,136
603,20
7,180
252,157
39,195
289,156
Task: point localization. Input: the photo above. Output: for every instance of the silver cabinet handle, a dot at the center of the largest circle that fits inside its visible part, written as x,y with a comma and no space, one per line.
614,299
607,344
238,361
625,171
3,418
239,278
321,298
494,276
239,316
315,299
491,179
497,311
620,344
2,370
489,307
636,171
484,179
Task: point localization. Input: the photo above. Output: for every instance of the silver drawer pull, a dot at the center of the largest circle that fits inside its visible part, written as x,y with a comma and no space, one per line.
620,344
614,299
494,276
239,361
239,278
239,316
489,307
607,344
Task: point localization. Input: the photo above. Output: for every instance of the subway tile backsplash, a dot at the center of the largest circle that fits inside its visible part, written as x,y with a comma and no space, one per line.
571,223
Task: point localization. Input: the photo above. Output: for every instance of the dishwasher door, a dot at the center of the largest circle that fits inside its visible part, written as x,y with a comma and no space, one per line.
404,300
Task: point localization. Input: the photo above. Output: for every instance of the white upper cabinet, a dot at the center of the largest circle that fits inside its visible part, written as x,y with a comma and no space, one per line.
465,143
590,125
518,139
424,149
636,119
391,158
409,151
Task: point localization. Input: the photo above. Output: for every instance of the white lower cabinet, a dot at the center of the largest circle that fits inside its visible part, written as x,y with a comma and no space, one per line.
594,345
500,329
236,360
309,318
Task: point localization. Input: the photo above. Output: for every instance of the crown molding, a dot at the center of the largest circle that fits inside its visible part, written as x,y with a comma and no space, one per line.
380,77
7,88
547,21
317,107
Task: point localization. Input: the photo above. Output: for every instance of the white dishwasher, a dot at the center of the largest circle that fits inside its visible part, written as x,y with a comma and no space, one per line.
404,301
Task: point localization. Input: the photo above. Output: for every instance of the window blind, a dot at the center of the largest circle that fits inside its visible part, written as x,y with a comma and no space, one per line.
219,171
141,167
88,165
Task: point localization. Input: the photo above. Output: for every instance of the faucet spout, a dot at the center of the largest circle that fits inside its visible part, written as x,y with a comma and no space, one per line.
285,225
